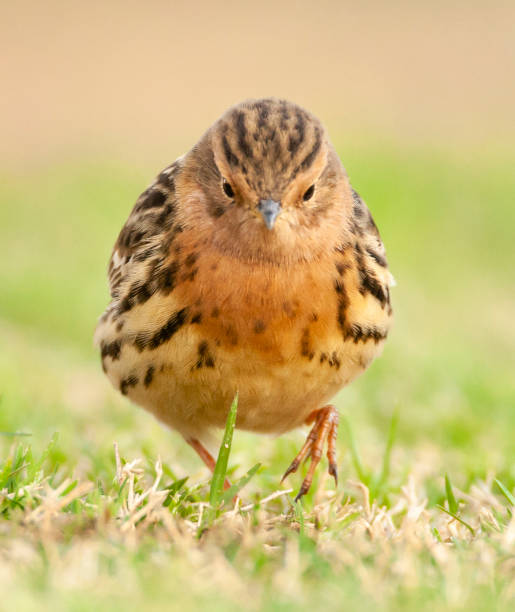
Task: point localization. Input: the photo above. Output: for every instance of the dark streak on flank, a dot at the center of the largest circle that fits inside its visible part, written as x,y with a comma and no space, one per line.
166,217
191,259
172,326
160,278
377,257
343,304
342,267
363,333
154,198
145,254
334,361
130,381
125,305
368,282
166,278
204,356
149,376
323,357
141,341
215,312
129,238
305,345
167,180
196,318
111,349
339,287
139,292
358,251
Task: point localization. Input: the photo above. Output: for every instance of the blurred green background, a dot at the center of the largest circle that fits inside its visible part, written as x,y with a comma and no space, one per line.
418,99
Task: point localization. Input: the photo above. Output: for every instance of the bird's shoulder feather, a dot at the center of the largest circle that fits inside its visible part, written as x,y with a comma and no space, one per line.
369,247
147,226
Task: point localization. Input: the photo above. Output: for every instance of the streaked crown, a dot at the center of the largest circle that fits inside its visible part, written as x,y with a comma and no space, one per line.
269,143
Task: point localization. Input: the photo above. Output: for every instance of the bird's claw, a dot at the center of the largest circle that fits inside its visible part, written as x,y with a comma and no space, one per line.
325,427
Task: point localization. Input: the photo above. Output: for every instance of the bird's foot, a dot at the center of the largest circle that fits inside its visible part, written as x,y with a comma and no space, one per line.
325,427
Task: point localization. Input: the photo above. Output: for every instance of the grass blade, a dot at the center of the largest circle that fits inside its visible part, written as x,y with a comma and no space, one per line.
451,500
505,492
299,515
358,466
392,434
457,518
238,486
436,534
382,477
217,483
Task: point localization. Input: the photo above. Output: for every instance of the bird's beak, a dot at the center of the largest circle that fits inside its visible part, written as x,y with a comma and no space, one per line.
269,210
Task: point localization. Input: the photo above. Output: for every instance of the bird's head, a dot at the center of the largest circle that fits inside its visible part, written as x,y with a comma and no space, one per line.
270,181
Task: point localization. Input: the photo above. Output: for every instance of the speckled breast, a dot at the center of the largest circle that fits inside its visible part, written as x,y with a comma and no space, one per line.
286,340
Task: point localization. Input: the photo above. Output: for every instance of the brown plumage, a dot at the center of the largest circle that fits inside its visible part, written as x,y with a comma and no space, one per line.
251,265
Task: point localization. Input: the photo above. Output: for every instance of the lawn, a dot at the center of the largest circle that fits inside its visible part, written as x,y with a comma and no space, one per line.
86,526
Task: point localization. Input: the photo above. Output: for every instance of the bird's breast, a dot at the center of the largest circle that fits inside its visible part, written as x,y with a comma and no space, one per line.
268,311
287,339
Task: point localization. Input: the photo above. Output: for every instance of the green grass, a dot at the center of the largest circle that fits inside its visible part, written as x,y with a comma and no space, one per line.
423,517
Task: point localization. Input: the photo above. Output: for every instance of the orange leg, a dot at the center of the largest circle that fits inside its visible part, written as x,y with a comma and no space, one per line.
206,457
325,427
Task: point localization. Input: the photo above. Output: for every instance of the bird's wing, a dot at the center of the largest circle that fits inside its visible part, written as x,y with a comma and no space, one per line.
370,246
142,235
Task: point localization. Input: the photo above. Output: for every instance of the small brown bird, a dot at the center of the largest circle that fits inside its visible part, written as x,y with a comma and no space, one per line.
251,265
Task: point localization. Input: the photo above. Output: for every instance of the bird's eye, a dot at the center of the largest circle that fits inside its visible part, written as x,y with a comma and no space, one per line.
228,190
309,193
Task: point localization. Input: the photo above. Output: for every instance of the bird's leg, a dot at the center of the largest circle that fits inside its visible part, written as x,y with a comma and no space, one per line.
325,427
206,457
331,447
305,451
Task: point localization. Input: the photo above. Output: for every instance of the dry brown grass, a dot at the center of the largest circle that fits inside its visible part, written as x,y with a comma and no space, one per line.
344,548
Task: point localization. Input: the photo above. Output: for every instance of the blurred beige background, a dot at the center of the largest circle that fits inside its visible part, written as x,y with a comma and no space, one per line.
143,80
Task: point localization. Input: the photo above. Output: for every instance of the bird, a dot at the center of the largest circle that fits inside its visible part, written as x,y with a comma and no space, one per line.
250,265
